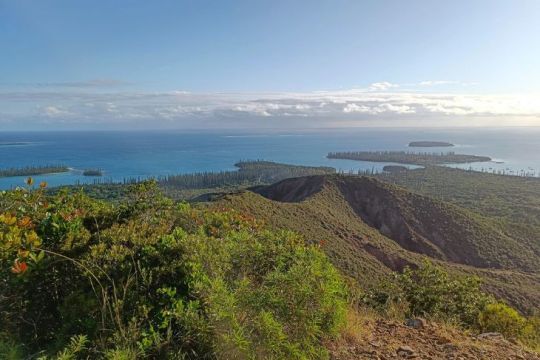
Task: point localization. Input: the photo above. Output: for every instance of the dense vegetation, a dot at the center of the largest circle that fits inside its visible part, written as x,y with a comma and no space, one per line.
512,202
93,172
33,170
504,197
367,244
195,185
249,172
405,157
429,291
150,278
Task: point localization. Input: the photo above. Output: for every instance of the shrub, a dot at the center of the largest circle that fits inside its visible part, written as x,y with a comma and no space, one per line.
429,290
530,334
388,299
9,349
266,295
499,317
148,278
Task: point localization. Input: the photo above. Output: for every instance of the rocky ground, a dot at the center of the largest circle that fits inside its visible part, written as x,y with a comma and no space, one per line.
381,339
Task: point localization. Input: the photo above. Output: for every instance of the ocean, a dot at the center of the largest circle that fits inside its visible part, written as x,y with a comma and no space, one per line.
143,154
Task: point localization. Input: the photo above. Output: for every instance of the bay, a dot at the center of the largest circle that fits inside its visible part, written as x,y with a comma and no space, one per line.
143,154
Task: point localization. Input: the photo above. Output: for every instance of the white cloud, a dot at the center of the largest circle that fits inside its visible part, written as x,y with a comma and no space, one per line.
378,109
438,82
354,108
398,109
320,108
54,112
253,109
382,86
430,83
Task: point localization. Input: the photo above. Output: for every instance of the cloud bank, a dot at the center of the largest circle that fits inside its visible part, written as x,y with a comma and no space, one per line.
380,104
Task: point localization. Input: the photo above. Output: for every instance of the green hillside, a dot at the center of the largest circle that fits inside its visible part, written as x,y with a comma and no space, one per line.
512,202
369,228
511,198
304,272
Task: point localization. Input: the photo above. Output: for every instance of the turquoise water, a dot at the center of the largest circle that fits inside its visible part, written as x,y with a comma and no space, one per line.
153,153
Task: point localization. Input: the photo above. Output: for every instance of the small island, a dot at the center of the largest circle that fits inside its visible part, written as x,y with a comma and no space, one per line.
92,172
430,144
33,170
394,168
403,157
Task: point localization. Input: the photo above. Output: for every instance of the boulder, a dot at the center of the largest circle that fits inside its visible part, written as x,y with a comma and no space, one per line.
417,323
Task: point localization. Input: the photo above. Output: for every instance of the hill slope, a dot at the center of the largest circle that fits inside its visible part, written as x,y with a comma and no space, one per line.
384,339
369,228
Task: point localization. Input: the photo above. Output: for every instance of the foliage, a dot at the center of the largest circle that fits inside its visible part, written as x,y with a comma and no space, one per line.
430,290
202,184
92,172
499,317
509,198
147,278
75,347
249,172
329,210
530,334
509,205
9,350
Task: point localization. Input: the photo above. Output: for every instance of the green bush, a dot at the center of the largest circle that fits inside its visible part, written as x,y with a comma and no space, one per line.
150,279
265,296
530,335
429,290
432,292
9,349
499,317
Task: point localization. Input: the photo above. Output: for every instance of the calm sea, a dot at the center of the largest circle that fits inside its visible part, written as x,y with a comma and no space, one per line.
154,153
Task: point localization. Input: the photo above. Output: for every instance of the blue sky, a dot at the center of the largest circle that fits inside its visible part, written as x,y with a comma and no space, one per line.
201,63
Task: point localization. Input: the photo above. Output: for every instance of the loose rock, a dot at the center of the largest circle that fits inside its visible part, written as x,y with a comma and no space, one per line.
417,323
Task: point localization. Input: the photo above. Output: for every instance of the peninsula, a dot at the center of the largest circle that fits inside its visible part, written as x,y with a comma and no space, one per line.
33,170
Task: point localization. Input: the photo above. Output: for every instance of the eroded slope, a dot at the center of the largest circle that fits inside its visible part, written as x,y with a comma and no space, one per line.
369,228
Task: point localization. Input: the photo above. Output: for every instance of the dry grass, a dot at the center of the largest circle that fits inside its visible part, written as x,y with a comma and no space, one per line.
368,335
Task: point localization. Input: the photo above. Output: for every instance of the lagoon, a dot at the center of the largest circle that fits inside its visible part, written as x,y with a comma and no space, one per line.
142,154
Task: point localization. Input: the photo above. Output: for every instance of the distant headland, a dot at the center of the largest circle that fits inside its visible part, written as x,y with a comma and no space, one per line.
33,170
430,144
402,157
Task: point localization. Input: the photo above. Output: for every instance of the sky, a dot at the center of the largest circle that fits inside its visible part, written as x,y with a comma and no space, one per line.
78,64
